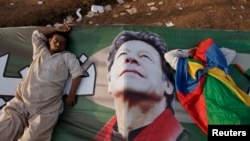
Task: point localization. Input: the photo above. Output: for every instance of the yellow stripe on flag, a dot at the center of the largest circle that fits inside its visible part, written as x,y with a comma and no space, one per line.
227,80
193,67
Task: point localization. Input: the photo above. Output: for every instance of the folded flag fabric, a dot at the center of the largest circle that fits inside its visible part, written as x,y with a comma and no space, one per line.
206,90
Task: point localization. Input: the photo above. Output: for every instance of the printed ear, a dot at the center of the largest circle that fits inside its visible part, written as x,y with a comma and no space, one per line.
169,89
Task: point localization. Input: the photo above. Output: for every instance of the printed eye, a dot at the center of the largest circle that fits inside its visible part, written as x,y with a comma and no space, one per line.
122,53
146,56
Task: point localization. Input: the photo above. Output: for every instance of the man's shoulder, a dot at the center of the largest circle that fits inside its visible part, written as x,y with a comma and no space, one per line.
68,53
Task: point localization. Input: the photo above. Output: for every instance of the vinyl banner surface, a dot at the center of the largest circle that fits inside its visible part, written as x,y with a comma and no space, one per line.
125,94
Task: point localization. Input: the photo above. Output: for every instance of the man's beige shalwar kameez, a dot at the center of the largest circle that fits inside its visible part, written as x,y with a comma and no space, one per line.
34,111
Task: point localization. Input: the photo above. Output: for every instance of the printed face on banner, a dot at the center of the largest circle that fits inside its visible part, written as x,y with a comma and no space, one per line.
137,70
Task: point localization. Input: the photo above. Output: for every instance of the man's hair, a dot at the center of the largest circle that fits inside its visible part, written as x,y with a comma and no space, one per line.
148,37
63,34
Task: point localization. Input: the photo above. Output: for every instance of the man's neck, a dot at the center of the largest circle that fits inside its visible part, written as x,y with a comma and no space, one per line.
131,117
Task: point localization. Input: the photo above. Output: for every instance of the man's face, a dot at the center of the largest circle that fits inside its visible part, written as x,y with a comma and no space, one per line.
136,70
57,44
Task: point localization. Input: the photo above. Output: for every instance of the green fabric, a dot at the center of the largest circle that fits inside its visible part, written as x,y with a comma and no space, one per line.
239,78
82,122
223,104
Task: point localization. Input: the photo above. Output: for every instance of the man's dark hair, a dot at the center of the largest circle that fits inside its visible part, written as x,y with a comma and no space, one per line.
148,37
63,34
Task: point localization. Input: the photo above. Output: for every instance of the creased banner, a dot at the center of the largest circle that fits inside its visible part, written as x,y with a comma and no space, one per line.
95,106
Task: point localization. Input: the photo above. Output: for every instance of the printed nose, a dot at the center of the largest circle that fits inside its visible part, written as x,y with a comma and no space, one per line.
131,60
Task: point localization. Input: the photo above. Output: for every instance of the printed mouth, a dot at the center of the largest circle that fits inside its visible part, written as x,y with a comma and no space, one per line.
132,72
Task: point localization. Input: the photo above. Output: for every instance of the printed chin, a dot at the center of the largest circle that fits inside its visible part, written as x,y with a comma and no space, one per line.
133,79
128,79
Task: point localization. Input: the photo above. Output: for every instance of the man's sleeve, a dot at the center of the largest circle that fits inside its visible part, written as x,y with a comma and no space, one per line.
39,41
172,56
74,66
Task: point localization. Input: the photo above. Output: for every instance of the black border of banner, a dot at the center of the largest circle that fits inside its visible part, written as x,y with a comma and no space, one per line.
239,132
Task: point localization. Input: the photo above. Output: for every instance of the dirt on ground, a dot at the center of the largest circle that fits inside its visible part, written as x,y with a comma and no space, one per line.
205,14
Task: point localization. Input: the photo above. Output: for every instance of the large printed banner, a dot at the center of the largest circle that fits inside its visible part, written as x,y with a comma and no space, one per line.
94,116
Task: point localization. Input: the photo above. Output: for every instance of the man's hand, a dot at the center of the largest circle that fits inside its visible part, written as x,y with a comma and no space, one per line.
64,28
70,100
192,52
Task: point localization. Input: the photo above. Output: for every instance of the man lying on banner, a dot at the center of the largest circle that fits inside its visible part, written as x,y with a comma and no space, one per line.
32,114
141,84
204,86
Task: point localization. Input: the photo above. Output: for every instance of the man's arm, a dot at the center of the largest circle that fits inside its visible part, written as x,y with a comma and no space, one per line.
76,72
70,100
49,30
172,56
